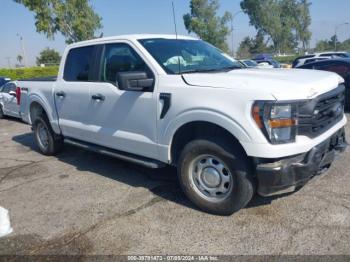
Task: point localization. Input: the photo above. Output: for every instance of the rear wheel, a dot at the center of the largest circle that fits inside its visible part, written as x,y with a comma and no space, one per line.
216,176
48,142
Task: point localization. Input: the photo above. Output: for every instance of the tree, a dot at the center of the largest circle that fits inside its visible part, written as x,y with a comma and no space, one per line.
20,59
245,47
48,57
204,21
283,21
250,46
303,23
345,46
328,44
259,44
74,19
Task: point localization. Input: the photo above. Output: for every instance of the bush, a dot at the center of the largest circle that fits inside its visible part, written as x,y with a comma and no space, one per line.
285,59
30,72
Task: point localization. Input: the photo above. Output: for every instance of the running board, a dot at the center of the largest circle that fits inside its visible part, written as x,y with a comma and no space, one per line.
147,162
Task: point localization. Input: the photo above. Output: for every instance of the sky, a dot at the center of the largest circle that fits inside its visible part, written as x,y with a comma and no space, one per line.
148,16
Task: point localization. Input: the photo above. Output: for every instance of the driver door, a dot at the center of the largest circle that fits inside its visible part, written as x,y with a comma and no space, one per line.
120,119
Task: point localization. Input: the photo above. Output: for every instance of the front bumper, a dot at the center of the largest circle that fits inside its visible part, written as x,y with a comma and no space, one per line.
285,175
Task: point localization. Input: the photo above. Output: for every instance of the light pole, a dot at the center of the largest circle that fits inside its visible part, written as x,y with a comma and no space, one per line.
335,36
232,39
23,50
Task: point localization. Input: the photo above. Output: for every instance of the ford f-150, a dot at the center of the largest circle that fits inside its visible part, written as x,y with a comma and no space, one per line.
160,100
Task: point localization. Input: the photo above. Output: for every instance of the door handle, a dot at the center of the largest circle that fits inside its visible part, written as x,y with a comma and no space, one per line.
61,94
98,97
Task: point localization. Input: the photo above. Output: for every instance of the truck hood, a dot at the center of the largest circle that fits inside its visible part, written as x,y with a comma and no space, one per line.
283,84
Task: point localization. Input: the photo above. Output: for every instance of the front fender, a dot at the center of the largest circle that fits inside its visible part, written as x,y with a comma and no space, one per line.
204,115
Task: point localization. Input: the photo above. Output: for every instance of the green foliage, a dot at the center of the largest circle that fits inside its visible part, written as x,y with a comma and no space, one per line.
328,45
302,23
285,59
48,57
75,19
245,47
284,22
30,72
250,46
345,46
204,21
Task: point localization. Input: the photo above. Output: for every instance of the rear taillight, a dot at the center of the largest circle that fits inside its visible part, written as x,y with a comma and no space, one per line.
18,95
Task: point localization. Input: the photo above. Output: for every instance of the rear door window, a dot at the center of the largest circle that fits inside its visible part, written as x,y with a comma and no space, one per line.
78,65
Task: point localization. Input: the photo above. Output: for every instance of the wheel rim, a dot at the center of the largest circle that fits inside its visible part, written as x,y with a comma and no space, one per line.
43,136
211,178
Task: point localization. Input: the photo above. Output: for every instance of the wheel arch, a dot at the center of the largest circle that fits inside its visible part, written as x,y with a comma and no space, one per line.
37,107
198,129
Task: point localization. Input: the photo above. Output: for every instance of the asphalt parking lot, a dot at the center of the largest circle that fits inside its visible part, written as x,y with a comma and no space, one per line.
84,203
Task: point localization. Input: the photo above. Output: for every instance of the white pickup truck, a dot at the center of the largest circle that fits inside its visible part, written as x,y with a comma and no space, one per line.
160,99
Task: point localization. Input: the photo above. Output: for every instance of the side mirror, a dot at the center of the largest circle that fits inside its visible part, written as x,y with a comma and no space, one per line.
134,81
12,93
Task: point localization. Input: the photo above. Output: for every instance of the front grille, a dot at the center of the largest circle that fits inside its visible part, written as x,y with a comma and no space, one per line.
318,115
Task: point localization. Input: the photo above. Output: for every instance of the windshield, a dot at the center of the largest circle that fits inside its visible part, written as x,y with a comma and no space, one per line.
188,56
3,81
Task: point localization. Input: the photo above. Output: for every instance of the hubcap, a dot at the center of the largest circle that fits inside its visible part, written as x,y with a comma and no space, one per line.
211,178
43,136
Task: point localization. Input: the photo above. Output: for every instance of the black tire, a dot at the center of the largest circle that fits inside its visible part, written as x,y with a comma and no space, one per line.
54,142
240,169
2,115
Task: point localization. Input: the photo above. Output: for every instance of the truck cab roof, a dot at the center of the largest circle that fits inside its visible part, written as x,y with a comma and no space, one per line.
131,37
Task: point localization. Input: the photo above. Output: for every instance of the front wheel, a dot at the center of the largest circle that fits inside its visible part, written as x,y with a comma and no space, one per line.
46,139
216,176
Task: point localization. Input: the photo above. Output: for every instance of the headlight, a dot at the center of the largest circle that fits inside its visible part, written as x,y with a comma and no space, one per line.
278,121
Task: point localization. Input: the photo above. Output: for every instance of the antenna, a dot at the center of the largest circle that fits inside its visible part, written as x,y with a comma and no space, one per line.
172,3
178,57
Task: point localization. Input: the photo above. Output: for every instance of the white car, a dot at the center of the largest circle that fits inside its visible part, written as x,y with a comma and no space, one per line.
302,60
265,65
249,63
160,100
9,105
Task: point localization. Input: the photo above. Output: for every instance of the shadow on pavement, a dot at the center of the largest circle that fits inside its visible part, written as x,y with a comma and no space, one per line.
162,182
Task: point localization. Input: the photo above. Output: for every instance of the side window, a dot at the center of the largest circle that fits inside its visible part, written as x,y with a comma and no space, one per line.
120,58
6,88
13,87
310,60
79,64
